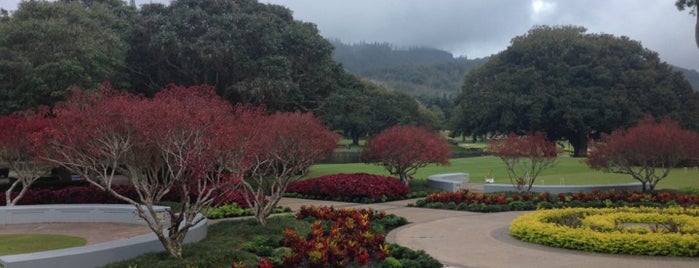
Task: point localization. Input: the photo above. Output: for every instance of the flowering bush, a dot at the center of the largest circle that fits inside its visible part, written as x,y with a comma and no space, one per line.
73,195
94,195
346,241
489,202
351,187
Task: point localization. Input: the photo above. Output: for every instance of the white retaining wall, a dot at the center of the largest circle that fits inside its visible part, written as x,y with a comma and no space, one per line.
90,255
556,189
450,182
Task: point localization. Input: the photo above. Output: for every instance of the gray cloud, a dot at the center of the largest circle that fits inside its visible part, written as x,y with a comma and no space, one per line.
477,28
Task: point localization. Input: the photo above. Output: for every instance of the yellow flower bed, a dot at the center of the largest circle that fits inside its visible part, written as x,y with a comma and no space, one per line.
638,231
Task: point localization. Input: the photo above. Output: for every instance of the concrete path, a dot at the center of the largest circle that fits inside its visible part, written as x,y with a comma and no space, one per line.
470,239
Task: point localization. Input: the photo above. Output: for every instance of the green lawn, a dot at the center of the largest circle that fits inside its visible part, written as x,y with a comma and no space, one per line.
25,243
567,170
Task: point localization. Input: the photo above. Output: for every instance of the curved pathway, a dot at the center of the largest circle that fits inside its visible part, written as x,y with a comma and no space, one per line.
470,239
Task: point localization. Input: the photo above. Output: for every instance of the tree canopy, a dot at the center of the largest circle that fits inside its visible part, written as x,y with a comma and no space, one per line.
572,85
250,52
524,157
647,152
402,150
47,48
359,108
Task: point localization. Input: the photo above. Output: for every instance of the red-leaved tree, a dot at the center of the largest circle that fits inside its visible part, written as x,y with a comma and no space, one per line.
524,157
647,151
19,141
286,146
402,150
170,143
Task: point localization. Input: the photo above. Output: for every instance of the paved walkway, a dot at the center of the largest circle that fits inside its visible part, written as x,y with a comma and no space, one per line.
455,238
470,239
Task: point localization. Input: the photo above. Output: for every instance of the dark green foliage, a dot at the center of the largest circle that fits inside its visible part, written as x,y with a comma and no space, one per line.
250,52
245,241
361,108
262,246
47,48
413,258
692,76
223,245
571,85
388,223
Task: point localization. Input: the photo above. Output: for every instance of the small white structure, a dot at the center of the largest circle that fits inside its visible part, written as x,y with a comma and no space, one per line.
450,182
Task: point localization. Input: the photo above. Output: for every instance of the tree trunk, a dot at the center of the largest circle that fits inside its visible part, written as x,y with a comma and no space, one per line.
355,139
579,145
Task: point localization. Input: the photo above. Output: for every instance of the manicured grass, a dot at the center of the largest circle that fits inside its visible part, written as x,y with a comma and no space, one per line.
26,243
568,170
222,246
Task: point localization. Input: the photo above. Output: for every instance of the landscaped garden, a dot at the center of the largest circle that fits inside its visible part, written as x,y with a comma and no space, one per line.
315,237
670,231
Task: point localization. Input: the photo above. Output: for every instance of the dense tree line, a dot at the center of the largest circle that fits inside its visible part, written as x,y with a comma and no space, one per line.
250,52
362,57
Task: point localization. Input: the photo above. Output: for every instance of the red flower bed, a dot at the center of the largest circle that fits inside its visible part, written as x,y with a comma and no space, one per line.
94,195
349,186
467,197
348,240
464,196
73,195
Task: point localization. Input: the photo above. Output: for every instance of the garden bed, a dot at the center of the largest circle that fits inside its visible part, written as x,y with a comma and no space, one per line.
672,231
508,201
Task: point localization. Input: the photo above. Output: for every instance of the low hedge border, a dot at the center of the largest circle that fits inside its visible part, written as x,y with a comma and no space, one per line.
589,229
509,201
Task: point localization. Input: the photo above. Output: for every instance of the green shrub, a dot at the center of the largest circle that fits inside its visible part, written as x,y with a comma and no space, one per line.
451,205
413,258
689,190
227,211
436,205
262,245
673,231
391,262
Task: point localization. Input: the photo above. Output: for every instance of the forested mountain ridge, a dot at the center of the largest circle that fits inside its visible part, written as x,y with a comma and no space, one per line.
691,75
420,71
417,71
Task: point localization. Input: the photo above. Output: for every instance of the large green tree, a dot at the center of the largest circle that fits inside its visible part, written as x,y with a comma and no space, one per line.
250,52
360,108
46,48
572,85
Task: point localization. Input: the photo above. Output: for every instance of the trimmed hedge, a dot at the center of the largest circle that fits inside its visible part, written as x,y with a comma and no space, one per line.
670,231
356,187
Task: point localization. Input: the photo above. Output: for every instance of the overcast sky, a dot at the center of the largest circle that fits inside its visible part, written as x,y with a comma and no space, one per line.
478,28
